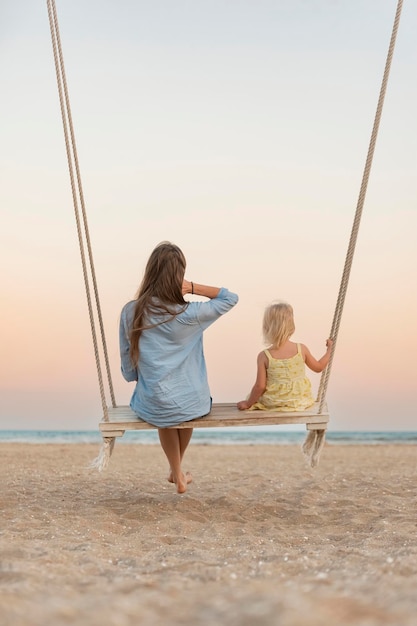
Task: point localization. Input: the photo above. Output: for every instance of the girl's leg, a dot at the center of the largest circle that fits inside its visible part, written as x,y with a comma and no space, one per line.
174,445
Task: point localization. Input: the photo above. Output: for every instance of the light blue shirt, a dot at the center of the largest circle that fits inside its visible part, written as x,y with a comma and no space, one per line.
171,375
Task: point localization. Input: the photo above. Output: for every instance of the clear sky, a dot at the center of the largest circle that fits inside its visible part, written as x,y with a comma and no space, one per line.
238,130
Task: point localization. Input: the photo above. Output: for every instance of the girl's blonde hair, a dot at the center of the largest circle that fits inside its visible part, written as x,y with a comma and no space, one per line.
278,323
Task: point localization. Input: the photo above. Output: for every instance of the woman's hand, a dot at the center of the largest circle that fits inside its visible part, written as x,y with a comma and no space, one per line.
187,287
243,405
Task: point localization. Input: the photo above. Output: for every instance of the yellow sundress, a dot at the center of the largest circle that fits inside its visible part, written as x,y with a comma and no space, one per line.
287,386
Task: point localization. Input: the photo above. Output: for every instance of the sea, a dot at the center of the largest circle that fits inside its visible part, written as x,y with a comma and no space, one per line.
214,436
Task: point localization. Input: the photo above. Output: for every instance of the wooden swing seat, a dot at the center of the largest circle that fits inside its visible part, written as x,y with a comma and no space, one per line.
122,418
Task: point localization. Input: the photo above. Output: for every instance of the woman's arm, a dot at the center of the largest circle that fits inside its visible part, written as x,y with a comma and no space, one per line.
219,301
199,290
259,386
129,372
312,363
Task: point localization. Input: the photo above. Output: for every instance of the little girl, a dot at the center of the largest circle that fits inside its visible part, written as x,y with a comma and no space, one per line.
281,382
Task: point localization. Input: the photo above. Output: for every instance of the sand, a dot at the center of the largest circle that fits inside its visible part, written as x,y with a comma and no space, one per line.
258,539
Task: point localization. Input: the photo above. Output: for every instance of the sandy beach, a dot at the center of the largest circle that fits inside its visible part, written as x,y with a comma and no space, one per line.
259,537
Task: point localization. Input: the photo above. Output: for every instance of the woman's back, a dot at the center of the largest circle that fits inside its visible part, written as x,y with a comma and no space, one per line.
172,385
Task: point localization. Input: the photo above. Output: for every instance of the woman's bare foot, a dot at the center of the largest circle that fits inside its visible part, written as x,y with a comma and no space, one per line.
188,475
185,480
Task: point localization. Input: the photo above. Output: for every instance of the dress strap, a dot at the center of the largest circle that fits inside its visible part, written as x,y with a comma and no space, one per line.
299,351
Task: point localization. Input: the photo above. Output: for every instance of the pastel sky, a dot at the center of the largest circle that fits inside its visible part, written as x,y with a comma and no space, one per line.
238,130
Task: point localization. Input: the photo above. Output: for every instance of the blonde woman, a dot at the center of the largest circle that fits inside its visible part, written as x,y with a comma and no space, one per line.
161,349
281,382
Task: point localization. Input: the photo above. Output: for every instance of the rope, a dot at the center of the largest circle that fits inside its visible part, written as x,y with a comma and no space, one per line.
324,380
72,159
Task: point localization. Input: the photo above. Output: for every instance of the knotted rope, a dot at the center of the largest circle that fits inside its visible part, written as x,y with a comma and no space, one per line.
315,440
81,222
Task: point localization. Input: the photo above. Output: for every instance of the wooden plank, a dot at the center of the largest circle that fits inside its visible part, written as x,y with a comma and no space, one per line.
114,433
222,414
317,426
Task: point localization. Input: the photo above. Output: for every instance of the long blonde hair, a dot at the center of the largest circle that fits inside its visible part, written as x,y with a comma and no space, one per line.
278,323
160,292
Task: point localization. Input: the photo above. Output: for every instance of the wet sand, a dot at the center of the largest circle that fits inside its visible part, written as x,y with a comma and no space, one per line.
259,537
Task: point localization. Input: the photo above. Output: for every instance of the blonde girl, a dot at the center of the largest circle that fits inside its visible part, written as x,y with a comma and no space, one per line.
281,382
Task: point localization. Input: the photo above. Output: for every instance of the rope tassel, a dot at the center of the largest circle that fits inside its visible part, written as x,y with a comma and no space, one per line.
102,460
313,445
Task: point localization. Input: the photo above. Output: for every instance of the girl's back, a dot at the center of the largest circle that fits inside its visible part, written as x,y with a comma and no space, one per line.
287,386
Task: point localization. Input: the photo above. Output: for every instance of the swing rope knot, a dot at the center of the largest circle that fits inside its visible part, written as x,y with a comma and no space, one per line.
313,445
102,460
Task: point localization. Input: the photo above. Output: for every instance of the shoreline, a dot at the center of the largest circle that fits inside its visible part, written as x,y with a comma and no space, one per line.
259,537
233,436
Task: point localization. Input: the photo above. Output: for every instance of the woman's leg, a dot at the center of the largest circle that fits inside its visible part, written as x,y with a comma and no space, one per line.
174,444
184,435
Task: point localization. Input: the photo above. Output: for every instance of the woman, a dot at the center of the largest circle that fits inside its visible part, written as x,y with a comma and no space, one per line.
161,348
